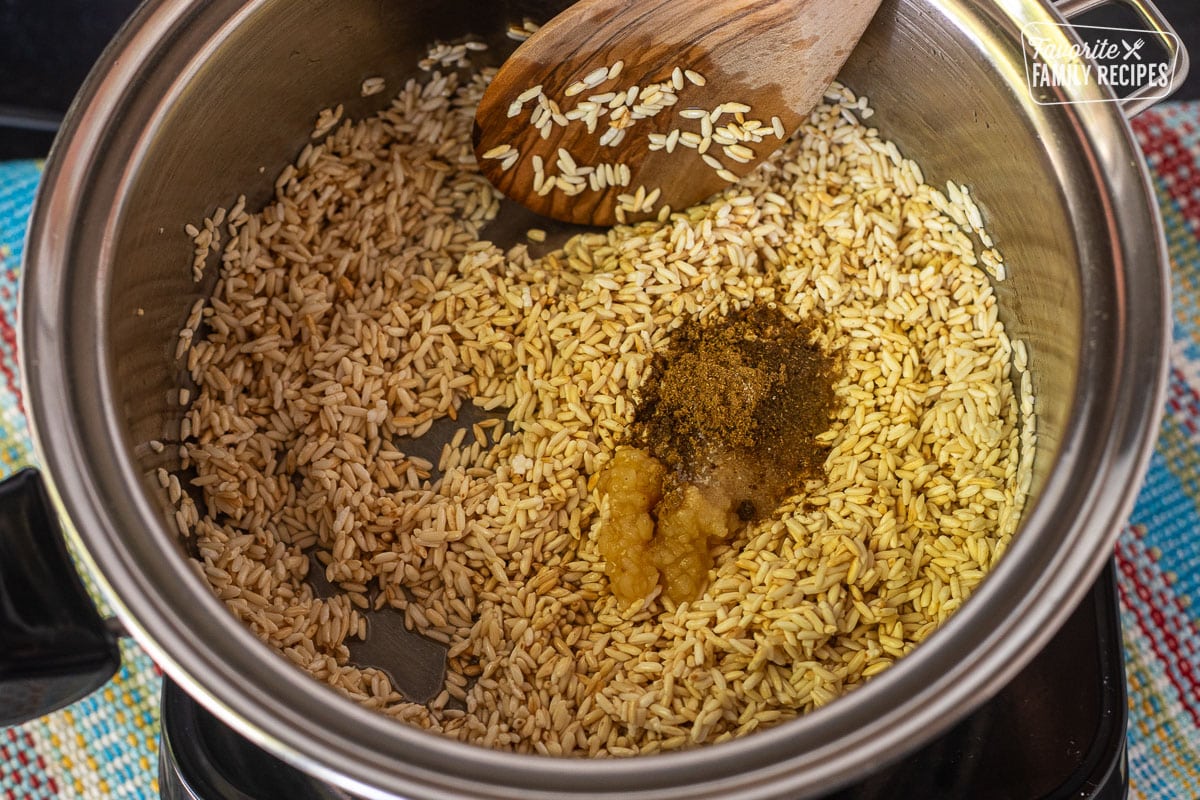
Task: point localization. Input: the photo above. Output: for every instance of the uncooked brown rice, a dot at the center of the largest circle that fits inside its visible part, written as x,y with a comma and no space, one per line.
361,304
372,86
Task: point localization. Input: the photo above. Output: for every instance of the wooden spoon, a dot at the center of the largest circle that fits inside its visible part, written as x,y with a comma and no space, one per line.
615,109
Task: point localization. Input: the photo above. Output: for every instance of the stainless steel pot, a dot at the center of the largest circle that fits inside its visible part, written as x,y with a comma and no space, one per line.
195,97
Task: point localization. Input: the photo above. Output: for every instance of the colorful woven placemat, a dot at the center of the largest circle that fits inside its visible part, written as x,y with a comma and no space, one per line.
105,746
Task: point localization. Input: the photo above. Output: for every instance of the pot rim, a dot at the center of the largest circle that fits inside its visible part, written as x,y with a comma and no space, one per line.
797,757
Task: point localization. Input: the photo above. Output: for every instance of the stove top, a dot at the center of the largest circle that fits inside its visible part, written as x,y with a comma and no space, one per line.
1056,731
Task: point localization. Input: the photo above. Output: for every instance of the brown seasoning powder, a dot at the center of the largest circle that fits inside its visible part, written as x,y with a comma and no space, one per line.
754,382
729,420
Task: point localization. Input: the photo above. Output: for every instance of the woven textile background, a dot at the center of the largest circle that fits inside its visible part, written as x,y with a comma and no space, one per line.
105,745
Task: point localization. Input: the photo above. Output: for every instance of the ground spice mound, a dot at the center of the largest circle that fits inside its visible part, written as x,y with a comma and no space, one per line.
754,381
733,408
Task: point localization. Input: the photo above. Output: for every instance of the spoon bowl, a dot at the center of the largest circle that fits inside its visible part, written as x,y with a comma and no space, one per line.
621,110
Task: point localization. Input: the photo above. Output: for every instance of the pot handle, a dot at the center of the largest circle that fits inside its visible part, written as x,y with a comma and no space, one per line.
54,646
1146,96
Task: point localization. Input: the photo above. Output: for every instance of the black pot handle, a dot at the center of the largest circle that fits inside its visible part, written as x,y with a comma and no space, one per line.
54,646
